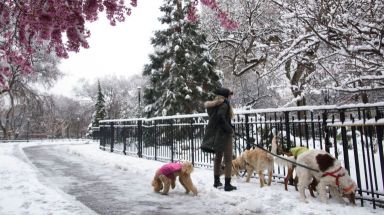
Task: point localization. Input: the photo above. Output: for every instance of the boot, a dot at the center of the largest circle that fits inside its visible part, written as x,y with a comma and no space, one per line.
217,182
228,186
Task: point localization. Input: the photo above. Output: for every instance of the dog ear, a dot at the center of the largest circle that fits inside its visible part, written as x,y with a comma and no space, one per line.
324,161
187,168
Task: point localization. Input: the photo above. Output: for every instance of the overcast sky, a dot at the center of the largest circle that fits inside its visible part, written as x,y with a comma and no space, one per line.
121,50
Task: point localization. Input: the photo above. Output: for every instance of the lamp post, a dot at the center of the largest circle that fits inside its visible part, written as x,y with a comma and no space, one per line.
139,100
326,95
78,127
27,129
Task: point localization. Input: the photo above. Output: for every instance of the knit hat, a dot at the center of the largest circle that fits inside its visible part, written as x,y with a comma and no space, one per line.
223,92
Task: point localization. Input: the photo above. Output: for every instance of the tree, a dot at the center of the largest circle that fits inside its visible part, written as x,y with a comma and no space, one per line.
22,92
60,25
244,55
350,47
120,94
100,107
181,70
306,47
27,23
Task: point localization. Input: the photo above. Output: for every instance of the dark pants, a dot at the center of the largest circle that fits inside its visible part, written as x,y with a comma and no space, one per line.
227,153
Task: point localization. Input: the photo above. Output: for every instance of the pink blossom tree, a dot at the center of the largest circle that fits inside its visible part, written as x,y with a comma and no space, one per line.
60,26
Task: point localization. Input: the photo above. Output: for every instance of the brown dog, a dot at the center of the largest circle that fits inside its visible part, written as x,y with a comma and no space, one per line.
166,177
329,173
289,162
311,186
238,164
259,160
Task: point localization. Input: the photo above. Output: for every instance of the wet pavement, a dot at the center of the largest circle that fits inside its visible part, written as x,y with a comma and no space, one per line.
103,189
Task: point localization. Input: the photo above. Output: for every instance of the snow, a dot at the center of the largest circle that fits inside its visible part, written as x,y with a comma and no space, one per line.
23,190
271,110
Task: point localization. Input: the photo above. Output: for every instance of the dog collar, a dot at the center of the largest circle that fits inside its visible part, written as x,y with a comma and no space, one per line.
333,174
349,188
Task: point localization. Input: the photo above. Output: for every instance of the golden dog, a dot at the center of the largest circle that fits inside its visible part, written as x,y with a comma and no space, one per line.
165,177
238,164
259,160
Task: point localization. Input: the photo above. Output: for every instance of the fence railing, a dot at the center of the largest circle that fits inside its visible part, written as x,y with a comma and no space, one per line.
352,133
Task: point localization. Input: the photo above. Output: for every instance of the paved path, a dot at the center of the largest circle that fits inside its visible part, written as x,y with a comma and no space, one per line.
96,185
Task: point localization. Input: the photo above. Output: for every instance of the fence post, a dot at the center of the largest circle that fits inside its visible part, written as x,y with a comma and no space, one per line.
313,130
155,138
140,138
101,136
124,136
379,132
247,128
112,136
356,158
172,150
247,131
325,131
344,140
287,130
192,143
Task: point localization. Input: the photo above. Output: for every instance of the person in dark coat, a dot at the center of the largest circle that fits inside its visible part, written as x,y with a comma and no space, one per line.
219,133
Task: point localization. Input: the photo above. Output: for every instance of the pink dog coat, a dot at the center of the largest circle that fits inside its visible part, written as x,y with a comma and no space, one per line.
170,168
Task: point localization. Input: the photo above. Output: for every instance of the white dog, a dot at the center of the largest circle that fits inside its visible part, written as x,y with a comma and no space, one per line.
329,173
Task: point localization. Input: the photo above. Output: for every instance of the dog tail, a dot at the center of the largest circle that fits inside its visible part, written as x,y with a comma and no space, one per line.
286,163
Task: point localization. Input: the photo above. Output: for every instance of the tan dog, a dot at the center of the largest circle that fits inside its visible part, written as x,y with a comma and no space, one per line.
329,173
166,177
238,164
259,160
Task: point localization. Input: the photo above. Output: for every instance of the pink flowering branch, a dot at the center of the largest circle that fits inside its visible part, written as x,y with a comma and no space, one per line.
60,26
24,24
225,21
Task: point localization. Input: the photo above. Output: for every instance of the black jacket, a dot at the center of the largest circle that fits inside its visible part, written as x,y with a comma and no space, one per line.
219,129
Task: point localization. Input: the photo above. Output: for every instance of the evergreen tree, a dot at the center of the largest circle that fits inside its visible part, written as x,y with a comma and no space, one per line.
100,107
181,70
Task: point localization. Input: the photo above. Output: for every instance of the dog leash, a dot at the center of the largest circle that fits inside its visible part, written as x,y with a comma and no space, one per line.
283,158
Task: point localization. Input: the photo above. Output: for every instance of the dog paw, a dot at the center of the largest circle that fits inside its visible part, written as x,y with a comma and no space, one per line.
164,193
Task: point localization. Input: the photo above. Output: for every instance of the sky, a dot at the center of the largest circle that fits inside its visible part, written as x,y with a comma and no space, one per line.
25,190
120,50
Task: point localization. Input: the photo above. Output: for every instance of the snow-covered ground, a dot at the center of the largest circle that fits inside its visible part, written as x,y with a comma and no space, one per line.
23,189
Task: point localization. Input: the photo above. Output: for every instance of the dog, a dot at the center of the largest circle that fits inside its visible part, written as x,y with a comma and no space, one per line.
259,160
166,175
329,173
291,155
238,164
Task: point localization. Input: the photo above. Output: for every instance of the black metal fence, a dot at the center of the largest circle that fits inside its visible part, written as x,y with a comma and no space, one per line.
352,133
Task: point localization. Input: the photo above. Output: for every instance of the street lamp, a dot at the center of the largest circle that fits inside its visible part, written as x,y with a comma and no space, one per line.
78,127
326,95
139,104
28,129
